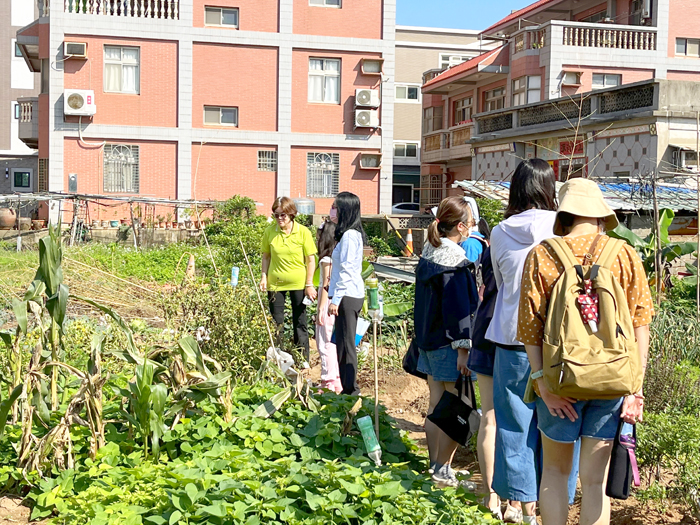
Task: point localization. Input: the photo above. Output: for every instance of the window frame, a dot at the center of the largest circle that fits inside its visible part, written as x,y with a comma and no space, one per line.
468,109
449,61
267,161
324,3
407,87
21,189
430,118
491,98
524,90
405,144
686,41
605,76
107,62
17,50
221,111
334,182
16,110
134,151
326,73
221,10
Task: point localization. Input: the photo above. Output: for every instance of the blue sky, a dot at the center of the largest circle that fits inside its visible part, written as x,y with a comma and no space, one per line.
455,14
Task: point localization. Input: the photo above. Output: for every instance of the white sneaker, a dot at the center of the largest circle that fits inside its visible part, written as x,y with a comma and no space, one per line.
513,515
530,520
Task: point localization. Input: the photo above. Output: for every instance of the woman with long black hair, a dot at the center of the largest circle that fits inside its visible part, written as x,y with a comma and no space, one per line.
346,291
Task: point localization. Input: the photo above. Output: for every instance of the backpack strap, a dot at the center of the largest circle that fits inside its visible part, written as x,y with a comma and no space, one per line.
610,252
565,255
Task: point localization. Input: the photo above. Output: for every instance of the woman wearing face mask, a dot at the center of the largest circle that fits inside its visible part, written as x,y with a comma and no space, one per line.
288,266
347,289
446,297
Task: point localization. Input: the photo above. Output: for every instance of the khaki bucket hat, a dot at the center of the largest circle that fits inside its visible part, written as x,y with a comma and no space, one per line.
583,198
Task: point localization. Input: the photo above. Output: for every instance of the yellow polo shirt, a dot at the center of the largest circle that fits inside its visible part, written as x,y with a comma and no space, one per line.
288,253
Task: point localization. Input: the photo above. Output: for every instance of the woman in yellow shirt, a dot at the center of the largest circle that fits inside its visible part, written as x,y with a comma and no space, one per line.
288,265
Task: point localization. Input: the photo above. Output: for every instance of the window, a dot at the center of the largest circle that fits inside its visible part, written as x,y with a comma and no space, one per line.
322,174
121,69
432,119
526,90
45,68
18,51
406,150
218,116
324,80
407,93
325,3
636,11
495,99
218,16
267,160
595,18
449,60
463,111
601,80
17,110
689,47
21,179
121,169
571,78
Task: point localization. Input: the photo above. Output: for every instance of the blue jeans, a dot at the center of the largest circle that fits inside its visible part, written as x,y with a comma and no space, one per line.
518,458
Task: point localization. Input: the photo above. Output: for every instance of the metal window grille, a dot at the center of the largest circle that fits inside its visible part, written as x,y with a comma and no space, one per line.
322,174
121,169
43,182
267,160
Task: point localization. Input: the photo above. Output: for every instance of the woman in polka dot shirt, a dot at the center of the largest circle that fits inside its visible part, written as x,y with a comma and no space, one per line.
582,217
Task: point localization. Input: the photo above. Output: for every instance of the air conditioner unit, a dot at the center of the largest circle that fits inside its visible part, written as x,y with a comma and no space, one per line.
75,49
79,102
367,98
369,161
366,118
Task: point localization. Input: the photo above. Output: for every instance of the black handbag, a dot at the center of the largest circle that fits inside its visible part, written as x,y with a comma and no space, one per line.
410,361
454,417
623,464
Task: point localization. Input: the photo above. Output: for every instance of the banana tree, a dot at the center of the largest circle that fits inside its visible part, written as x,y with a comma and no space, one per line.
646,247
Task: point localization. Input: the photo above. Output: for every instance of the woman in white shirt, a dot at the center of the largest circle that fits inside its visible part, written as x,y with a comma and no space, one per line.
347,290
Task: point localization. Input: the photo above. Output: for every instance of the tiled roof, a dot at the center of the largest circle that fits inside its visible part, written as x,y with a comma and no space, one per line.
461,68
520,13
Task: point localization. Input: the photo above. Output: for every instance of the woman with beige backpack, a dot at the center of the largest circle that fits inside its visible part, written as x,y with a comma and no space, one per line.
584,315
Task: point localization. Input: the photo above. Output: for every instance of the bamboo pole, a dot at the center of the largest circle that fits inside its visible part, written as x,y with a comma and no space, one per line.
657,244
376,377
257,291
697,175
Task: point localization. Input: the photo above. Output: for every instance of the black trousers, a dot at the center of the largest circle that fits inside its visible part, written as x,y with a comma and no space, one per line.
345,329
301,331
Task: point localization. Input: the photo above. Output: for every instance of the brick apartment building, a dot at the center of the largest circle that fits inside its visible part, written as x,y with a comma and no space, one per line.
204,99
597,88
18,162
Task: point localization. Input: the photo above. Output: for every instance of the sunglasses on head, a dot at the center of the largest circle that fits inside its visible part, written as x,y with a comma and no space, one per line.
280,215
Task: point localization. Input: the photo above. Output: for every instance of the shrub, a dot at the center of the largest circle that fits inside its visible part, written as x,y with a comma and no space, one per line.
670,442
228,321
491,210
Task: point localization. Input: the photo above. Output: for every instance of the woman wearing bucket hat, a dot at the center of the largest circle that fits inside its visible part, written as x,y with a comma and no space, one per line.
582,219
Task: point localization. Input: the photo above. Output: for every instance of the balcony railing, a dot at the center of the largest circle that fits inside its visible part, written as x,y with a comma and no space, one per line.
569,111
530,38
610,36
448,145
163,9
28,129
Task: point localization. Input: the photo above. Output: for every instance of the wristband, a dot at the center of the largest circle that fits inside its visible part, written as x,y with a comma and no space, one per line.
537,375
311,285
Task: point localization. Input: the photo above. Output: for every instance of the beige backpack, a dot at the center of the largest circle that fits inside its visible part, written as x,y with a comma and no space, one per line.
578,362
